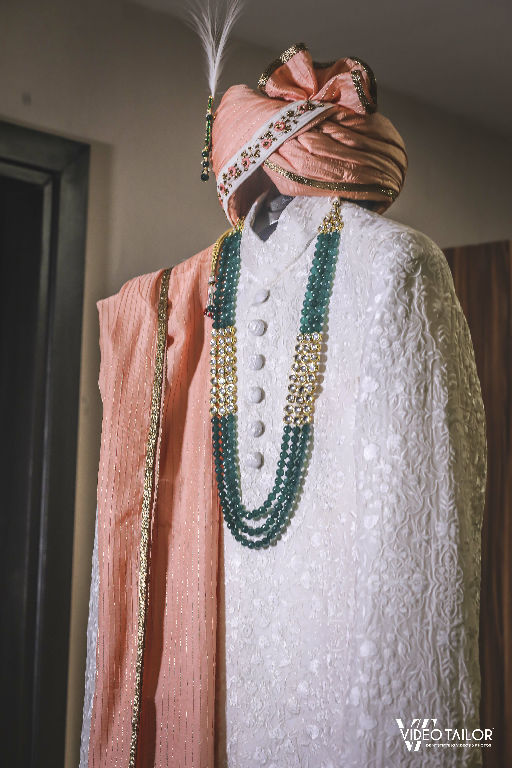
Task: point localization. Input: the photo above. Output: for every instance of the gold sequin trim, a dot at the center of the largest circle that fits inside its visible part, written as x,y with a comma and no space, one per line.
371,76
147,497
334,186
283,58
358,85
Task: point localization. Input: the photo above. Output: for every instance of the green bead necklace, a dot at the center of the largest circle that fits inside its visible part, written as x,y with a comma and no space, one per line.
298,413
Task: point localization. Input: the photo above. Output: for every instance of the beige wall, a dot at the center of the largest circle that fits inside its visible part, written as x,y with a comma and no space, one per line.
130,82
456,185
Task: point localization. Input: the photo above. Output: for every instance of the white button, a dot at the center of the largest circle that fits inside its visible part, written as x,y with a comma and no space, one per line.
256,362
257,428
260,296
257,327
255,394
255,459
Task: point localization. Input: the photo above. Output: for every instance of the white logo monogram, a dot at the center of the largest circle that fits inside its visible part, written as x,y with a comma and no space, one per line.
413,735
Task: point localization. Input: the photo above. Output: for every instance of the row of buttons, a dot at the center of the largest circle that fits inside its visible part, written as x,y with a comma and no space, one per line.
256,363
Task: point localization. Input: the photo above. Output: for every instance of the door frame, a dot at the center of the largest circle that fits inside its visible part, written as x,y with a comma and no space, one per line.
60,167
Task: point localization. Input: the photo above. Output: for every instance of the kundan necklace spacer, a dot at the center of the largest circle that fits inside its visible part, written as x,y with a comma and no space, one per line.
298,412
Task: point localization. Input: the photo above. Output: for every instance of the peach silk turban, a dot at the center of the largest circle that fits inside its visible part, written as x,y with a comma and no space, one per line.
312,129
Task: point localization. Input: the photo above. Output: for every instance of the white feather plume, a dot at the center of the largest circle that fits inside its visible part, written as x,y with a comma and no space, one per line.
213,25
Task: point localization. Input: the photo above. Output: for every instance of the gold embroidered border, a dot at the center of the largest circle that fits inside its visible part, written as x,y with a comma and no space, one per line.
283,58
371,76
335,186
358,85
147,496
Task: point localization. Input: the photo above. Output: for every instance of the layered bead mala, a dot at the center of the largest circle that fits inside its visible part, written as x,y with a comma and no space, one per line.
298,411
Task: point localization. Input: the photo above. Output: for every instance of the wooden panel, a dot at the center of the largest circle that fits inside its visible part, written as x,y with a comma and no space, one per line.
483,281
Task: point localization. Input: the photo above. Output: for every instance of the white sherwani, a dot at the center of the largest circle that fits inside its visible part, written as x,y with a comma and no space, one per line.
366,610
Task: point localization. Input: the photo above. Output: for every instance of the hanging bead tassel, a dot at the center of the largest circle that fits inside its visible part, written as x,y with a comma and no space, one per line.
207,149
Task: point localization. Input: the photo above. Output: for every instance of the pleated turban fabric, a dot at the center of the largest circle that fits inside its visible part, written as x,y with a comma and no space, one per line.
311,129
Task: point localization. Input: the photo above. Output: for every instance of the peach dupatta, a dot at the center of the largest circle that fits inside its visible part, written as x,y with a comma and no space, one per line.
176,722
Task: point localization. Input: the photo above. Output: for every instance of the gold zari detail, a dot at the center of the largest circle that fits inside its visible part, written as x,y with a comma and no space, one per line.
148,497
335,186
283,58
371,77
358,85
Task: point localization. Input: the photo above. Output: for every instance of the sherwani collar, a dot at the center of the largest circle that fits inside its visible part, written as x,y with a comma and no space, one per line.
297,227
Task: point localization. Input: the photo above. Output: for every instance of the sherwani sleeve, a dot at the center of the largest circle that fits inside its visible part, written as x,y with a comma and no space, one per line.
420,458
90,664
106,311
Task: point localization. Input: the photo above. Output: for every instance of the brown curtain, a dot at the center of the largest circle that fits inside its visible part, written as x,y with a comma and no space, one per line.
483,280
